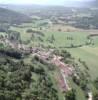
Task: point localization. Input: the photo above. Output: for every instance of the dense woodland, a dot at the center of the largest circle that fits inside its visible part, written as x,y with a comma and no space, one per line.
18,83
12,17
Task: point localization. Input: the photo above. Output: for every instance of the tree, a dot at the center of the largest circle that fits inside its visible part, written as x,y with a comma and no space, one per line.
96,83
70,95
95,96
29,31
52,39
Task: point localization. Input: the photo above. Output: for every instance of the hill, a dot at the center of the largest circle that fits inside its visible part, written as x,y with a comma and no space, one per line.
9,16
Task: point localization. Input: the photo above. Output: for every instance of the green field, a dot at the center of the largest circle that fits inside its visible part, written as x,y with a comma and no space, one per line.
89,54
61,38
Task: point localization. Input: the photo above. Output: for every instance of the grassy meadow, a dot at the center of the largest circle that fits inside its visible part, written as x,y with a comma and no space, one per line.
89,54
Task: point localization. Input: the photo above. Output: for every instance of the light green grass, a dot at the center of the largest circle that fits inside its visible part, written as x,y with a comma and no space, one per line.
79,93
2,33
89,56
61,38
24,35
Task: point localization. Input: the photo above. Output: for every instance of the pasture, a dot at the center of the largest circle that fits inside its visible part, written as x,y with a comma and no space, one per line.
88,53
63,39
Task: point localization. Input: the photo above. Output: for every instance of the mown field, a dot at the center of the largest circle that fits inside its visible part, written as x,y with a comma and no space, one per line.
90,56
61,40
